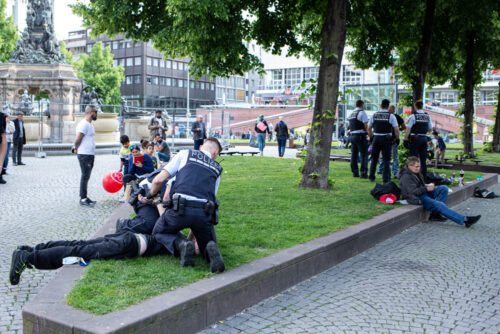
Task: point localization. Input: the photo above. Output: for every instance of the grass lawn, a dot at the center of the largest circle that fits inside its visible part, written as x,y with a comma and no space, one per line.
262,212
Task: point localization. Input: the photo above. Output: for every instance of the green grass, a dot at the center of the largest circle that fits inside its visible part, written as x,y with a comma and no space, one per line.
262,211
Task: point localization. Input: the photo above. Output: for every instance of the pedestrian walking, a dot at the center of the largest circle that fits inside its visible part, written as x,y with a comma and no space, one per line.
157,125
419,124
199,131
84,148
18,140
358,126
281,136
261,128
380,130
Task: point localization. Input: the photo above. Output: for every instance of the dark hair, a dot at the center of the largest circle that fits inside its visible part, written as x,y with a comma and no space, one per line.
216,141
412,160
124,139
360,103
435,133
144,143
419,104
158,111
134,147
385,104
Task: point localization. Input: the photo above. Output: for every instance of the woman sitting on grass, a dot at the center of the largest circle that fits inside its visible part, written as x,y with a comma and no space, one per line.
433,198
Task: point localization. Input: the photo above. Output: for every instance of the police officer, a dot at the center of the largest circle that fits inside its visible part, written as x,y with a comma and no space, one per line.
380,131
193,203
419,124
358,123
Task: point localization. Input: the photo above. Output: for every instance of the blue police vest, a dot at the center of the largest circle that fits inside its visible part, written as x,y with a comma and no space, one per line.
381,124
421,125
198,177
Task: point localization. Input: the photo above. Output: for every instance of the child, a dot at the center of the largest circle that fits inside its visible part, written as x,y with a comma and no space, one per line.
150,150
124,154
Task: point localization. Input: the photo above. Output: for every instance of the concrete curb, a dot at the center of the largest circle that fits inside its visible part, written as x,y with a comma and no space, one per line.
197,306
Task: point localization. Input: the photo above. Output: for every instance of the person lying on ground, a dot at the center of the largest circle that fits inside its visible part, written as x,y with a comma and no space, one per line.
433,198
125,244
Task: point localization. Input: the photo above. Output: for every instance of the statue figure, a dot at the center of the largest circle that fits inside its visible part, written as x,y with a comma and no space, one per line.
38,44
84,99
6,110
25,104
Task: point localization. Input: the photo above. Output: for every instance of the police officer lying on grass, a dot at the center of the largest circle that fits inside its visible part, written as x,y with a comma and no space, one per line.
193,203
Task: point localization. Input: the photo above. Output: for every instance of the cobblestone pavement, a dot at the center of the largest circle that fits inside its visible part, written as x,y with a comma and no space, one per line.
40,202
433,278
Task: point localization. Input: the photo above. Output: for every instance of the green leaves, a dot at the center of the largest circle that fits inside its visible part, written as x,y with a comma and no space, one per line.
8,34
97,70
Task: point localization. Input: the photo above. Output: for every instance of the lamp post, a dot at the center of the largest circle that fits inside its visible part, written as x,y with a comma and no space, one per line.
188,112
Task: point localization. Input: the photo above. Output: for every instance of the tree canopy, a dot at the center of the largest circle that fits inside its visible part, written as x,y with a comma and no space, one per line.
97,70
8,34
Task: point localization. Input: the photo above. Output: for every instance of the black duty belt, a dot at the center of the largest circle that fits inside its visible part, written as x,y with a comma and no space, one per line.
195,204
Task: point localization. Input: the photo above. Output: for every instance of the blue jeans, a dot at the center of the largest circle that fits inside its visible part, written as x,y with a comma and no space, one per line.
435,202
163,157
281,146
395,161
261,140
6,161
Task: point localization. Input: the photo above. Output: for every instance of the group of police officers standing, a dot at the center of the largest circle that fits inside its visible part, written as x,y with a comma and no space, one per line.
382,132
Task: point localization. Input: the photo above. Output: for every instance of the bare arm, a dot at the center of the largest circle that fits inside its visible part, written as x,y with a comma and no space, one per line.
78,140
396,132
158,181
369,130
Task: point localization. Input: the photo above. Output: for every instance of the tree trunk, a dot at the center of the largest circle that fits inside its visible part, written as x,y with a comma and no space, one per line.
333,35
424,51
496,131
469,96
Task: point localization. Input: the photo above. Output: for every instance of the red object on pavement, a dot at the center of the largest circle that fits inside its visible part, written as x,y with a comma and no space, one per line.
112,182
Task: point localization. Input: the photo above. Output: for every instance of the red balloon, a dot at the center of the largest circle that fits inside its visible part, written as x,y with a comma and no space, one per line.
112,182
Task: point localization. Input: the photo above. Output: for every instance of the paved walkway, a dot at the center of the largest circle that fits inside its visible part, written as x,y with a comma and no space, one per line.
40,203
433,278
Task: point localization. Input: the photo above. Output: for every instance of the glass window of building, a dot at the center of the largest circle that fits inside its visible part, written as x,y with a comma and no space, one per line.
212,86
191,84
174,82
120,45
137,79
130,62
162,63
293,77
138,61
149,61
169,64
351,76
169,82
202,85
115,62
174,65
311,73
128,44
89,47
128,80
181,83
156,62
115,45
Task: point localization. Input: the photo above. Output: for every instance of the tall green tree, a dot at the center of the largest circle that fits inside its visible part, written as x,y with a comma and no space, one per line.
8,34
68,55
475,47
214,35
97,70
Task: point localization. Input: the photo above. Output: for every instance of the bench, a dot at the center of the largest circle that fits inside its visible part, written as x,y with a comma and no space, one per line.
477,162
231,153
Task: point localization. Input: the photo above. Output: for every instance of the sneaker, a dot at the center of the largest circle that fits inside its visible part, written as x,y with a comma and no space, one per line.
21,164
17,266
87,202
436,217
28,249
2,181
216,262
471,220
186,249
91,202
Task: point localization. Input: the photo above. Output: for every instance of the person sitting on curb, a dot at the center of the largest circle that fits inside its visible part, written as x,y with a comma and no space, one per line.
139,164
125,244
433,198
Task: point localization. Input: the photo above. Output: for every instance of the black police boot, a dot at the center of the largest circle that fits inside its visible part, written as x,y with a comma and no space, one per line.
436,217
216,262
471,220
186,250
119,224
18,264
2,181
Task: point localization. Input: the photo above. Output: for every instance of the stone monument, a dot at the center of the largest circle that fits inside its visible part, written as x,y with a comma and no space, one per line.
37,66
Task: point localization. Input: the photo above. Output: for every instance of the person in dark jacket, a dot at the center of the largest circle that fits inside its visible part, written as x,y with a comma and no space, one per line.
281,135
139,164
261,127
19,139
433,198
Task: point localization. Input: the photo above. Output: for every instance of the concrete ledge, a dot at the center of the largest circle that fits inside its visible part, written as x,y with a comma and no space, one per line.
197,306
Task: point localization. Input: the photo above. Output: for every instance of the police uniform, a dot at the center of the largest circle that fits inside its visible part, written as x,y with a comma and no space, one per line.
382,123
418,125
359,143
197,180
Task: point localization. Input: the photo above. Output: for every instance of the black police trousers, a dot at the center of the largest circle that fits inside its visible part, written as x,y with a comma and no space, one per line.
144,221
112,246
381,144
171,223
418,148
359,147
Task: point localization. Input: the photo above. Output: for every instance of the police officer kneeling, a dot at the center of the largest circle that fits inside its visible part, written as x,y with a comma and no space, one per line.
193,203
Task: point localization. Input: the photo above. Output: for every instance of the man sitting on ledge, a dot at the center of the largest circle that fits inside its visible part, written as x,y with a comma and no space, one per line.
433,198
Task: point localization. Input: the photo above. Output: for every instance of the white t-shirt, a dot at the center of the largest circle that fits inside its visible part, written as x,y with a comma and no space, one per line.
87,146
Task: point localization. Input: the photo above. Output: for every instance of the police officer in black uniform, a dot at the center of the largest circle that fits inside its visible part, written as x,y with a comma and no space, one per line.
193,203
380,131
358,124
419,124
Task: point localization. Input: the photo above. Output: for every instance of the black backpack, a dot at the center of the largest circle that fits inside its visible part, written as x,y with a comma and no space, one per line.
386,188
